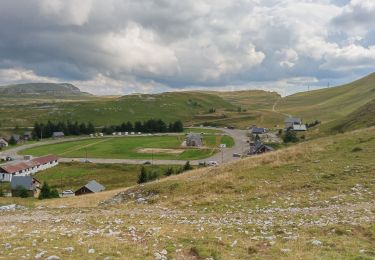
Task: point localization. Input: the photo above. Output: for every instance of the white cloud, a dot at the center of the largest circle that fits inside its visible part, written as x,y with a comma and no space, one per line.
122,46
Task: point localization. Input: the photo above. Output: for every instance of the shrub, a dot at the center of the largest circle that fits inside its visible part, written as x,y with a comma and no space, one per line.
169,172
142,178
290,137
356,149
47,193
187,166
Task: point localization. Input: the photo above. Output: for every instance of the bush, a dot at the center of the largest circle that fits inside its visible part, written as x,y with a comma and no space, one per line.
187,166
169,172
142,178
47,193
290,137
21,192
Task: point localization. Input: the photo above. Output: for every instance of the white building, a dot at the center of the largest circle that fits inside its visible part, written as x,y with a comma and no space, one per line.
27,168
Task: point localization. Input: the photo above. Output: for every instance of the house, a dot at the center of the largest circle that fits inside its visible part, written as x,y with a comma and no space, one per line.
290,121
30,184
26,168
194,139
258,130
3,143
27,135
90,187
58,134
258,148
300,127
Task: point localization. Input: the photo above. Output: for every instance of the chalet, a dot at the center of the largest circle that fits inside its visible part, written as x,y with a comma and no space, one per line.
3,143
258,148
58,134
90,187
290,121
258,130
194,139
28,183
26,168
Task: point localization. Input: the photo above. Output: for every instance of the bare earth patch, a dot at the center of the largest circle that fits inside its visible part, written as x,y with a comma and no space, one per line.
160,150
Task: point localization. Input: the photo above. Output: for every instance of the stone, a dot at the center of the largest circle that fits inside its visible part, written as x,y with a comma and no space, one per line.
317,243
91,251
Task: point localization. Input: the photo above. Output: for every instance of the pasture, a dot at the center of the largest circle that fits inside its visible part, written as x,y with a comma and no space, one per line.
74,175
135,147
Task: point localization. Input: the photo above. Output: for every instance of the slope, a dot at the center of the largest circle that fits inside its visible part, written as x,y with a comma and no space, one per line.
313,200
330,104
361,118
104,110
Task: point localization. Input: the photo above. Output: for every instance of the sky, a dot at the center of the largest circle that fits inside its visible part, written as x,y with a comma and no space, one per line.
122,46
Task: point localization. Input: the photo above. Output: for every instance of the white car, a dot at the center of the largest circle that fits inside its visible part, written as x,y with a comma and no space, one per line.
213,163
67,193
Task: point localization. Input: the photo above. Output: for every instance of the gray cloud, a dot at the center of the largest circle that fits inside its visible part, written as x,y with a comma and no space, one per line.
117,46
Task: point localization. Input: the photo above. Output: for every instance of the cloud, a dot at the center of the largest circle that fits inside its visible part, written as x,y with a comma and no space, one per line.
123,46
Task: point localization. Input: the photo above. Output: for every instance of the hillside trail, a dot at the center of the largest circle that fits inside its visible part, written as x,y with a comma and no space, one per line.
275,105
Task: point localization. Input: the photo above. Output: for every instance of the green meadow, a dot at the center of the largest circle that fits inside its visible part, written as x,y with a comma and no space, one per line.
140,147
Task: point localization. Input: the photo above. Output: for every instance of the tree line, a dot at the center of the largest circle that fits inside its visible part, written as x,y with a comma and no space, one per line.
42,130
149,126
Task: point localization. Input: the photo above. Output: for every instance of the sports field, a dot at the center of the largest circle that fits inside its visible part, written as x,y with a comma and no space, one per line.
140,147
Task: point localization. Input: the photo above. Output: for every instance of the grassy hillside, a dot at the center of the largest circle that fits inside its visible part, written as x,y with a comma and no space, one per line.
361,118
313,200
102,111
330,104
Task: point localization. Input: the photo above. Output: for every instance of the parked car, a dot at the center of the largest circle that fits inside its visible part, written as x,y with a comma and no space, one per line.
67,193
147,162
236,155
213,163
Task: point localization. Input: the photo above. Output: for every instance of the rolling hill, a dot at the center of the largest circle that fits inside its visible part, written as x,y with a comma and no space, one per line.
330,104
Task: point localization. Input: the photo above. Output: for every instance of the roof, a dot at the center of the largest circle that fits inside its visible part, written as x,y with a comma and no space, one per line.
258,130
2,140
12,168
94,186
58,133
45,159
293,120
299,128
194,136
26,182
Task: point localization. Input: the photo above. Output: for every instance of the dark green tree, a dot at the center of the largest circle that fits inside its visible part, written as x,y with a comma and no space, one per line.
290,136
12,141
143,178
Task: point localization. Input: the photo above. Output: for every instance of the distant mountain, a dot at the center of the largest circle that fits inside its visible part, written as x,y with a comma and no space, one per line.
41,89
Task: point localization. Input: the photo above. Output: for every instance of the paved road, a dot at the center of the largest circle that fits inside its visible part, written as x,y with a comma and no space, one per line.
225,155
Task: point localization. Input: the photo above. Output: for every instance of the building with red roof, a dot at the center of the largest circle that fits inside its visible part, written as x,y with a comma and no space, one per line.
27,168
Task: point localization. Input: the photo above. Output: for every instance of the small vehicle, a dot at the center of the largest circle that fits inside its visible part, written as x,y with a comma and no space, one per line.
67,193
213,163
147,163
202,163
236,155
8,159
